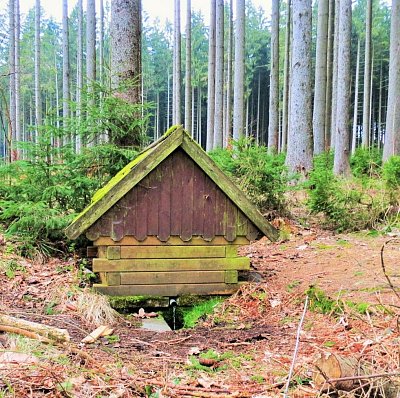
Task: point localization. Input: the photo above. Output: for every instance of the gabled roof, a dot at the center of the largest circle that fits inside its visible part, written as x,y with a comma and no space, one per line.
147,161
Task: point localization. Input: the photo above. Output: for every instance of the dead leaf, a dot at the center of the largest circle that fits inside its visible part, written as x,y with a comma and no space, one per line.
17,357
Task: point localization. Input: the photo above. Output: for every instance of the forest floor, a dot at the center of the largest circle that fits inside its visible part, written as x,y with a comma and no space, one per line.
244,349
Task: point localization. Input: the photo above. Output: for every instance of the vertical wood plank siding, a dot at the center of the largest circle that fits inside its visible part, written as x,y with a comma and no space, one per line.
177,198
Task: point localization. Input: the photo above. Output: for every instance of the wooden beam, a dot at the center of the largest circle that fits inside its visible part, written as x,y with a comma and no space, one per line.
172,241
231,277
114,252
168,290
148,265
171,251
166,278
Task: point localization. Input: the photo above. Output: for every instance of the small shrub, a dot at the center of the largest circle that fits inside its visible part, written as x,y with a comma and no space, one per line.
366,162
391,177
260,174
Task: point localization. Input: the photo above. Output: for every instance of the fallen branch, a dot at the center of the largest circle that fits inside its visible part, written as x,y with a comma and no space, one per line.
49,332
365,377
384,268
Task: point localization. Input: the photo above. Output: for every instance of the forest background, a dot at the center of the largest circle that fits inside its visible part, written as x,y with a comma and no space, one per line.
274,98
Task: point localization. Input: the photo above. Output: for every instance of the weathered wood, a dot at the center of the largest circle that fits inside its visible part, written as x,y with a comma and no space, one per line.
209,198
153,196
186,202
164,278
92,251
114,252
173,240
208,264
172,251
231,216
142,202
118,187
231,250
333,366
176,194
198,202
230,189
49,332
168,290
132,213
113,278
164,215
231,277
101,331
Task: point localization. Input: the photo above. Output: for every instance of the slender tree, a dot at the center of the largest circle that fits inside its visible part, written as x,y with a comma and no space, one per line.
176,77
342,135
188,69
392,135
355,109
11,62
367,78
211,77
286,69
273,128
101,42
18,131
320,78
228,97
79,71
65,52
91,44
38,100
238,89
299,150
333,109
219,75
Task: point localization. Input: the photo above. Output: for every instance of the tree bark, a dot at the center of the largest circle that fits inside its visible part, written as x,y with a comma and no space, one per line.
355,111
273,127
101,42
238,90
286,78
211,77
219,75
299,151
334,74
320,78
176,92
79,73
18,132
65,52
91,47
392,135
329,59
367,79
38,100
342,135
11,62
188,69
228,99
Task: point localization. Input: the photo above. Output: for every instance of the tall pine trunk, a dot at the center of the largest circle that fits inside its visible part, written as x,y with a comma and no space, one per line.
392,135
79,74
238,89
219,75
211,77
366,130
38,100
91,48
18,132
335,74
320,78
228,99
188,69
176,92
286,83
273,128
342,136
11,62
65,52
299,150
355,111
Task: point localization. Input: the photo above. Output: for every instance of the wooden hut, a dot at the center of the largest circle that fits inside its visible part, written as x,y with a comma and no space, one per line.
170,223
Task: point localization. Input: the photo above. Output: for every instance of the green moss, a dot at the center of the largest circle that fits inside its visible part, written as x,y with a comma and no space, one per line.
126,302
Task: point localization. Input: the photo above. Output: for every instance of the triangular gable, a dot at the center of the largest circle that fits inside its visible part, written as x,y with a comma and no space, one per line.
147,161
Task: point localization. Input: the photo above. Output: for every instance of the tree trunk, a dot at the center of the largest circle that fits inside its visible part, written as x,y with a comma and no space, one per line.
286,77
367,78
392,135
238,90
219,75
101,43
329,59
65,52
79,74
228,100
334,74
380,109
211,77
342,135
176,93
320,78
188,69
355,114
91,48
299,151
38,100
18,133
11,15
273,127
126,67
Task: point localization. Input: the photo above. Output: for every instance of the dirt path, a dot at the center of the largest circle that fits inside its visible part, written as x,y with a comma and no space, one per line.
250,338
